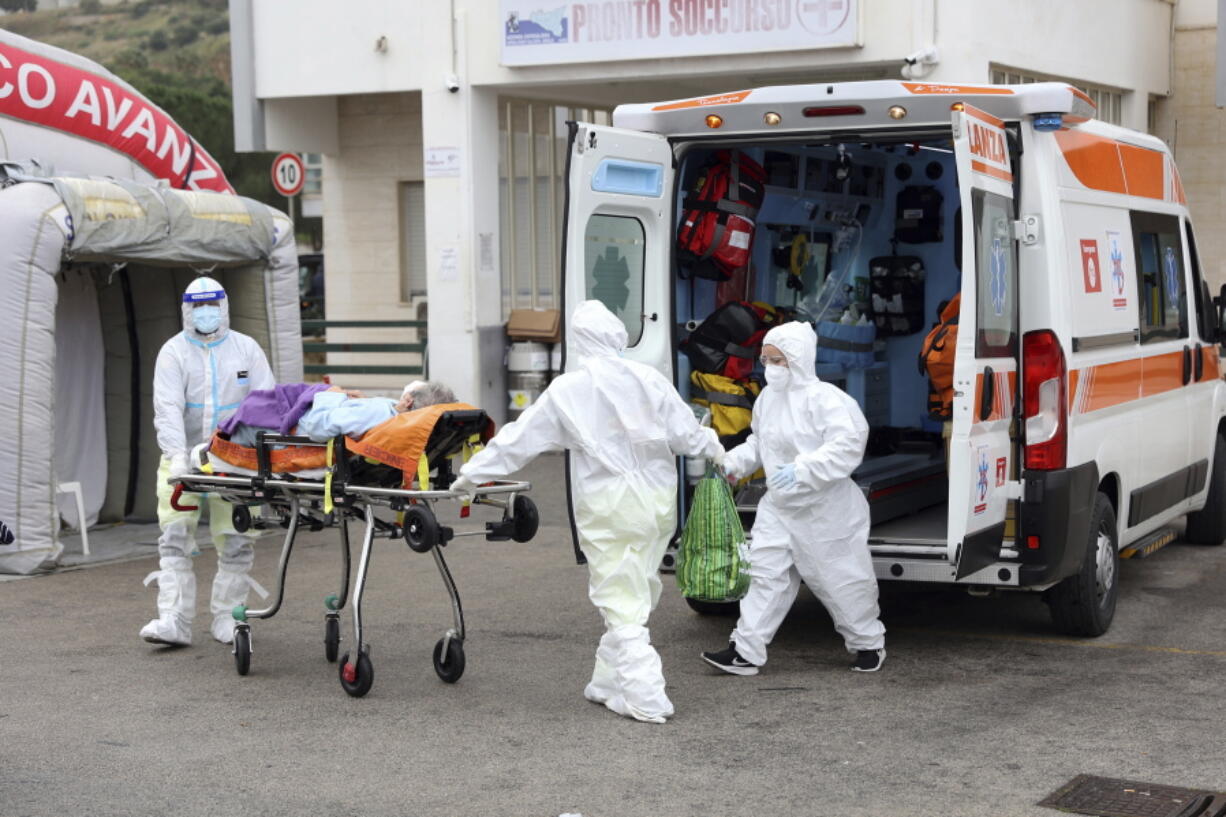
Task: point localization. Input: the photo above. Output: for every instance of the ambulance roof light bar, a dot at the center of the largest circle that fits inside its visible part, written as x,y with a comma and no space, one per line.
878,103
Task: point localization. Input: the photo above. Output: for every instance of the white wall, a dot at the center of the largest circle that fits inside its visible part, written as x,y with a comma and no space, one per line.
1121,43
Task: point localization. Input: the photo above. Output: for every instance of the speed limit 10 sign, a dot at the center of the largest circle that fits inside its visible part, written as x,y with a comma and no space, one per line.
288,174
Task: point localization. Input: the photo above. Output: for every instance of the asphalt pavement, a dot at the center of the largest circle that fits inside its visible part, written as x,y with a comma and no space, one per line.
981,709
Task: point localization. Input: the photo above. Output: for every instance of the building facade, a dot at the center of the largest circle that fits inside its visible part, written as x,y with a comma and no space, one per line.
440,125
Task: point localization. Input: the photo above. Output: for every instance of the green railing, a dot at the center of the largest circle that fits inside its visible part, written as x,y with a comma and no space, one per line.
309,346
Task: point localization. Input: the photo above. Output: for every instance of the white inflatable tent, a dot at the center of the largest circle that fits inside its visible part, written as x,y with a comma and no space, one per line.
91,275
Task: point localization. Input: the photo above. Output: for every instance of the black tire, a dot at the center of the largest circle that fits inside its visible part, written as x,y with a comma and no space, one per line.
241,518
725,609
420,529
332,637
1208,525
1084,603
242,650
452,667
527,519
363,678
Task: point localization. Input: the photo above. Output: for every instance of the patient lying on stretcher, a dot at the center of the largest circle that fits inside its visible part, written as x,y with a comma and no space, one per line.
376,430
322,412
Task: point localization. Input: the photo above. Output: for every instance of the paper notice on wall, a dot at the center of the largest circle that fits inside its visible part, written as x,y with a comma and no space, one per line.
485,254
449,264
442,161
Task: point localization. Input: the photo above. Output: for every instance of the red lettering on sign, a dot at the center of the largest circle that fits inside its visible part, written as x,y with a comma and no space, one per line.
78,102
988,144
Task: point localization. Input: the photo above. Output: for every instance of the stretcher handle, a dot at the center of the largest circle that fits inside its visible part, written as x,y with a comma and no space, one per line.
176,496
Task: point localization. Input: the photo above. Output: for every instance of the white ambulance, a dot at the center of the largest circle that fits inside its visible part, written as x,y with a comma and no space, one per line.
1088,409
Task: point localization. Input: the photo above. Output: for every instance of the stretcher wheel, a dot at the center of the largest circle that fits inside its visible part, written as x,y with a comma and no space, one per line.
242,650
452,667
332,637
420,529
356,679
527,519
241,517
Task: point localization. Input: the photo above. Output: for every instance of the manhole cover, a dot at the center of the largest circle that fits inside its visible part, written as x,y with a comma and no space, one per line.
1105,797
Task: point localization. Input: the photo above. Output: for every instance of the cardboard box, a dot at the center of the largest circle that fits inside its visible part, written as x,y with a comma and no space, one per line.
542,325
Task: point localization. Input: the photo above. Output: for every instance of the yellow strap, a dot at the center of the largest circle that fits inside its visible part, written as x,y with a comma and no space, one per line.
328,480
423,473
471,446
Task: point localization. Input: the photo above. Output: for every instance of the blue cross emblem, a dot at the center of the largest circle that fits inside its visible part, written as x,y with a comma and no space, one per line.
999,281
1117,268
983,476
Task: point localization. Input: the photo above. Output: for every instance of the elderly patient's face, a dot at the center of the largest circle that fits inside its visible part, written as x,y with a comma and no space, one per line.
405,404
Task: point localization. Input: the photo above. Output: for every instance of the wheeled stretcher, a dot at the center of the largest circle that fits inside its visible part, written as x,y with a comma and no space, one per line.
351,487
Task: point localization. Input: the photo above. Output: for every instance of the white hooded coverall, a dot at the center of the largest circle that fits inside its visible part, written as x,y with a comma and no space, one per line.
624,425
198,381
817,530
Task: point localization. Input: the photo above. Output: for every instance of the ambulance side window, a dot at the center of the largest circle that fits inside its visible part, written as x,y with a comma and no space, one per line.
1162,291
613,254
996,270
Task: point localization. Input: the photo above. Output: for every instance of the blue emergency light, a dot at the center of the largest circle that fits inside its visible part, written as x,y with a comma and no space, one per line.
1048,121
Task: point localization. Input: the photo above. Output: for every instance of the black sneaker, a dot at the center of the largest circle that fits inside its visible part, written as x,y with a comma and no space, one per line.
868,660
729,660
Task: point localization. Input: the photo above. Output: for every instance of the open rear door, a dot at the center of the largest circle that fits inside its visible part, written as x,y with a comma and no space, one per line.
618,213
981,467
616,241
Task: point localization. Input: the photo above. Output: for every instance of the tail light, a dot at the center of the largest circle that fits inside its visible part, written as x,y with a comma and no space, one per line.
1045,401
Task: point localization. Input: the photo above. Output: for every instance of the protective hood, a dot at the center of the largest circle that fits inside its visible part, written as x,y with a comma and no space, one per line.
798,342
209,292
595,332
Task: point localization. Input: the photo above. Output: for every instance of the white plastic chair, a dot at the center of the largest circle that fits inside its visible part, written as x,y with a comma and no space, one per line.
74,488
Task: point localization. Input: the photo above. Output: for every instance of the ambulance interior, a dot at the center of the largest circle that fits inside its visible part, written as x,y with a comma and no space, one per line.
879,222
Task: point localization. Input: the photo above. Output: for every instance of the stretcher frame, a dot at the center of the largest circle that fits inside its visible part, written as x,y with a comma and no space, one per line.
332,502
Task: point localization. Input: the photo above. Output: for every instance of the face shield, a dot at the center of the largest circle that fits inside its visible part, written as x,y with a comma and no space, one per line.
206,311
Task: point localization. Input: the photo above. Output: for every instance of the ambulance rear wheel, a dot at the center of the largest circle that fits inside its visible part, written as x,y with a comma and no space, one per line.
1208,525
1084,603
715,608
420,529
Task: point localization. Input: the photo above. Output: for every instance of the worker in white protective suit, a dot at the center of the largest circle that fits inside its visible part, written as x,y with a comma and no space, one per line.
201,376
813,522
624,425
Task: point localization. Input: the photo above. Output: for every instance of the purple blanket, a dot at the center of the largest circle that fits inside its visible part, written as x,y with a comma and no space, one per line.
280,407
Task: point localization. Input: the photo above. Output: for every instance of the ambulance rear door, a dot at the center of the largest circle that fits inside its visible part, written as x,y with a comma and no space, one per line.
616,243
981,466
617,234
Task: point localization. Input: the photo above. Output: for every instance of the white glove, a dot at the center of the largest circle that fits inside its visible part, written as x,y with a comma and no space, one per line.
464,487
718,457
178,466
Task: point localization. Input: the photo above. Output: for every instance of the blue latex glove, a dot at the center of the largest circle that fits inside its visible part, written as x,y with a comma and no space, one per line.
783,479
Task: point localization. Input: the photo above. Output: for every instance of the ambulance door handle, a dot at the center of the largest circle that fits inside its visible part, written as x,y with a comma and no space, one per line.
1198,363
989,394
1187,365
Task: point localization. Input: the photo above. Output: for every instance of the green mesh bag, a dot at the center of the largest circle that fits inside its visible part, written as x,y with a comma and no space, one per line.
713,557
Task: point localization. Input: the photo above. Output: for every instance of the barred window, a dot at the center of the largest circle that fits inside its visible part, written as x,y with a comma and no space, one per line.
1110,101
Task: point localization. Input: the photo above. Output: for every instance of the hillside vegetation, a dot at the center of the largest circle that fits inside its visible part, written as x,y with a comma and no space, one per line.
177,53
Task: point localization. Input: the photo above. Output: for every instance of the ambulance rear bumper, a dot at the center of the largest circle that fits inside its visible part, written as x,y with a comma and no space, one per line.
1054,522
